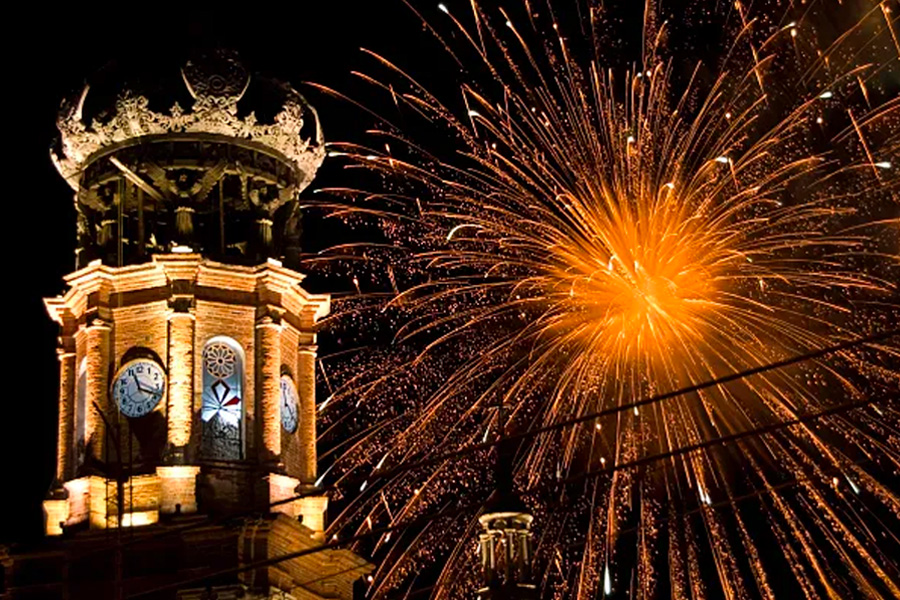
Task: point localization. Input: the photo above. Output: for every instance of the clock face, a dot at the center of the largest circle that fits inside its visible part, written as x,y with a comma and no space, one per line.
138,387
289,404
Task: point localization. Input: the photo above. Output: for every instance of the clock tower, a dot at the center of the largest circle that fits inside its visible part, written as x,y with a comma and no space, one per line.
187,342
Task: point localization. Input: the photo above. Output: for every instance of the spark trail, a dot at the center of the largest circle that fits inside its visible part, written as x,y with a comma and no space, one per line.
576,233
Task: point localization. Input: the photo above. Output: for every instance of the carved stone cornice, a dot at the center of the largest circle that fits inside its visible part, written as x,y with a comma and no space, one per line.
179,279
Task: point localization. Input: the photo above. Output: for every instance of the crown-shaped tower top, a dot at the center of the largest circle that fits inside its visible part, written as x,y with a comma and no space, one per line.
220,178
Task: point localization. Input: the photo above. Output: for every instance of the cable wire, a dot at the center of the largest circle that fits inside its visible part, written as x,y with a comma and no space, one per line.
403,467
444,513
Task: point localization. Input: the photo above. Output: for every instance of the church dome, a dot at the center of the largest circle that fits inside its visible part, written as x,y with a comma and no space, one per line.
158,155
214,94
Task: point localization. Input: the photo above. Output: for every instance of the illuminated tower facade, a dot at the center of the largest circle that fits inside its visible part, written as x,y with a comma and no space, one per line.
187,344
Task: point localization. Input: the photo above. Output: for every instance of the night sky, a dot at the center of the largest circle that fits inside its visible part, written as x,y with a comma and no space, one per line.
53,53
51,56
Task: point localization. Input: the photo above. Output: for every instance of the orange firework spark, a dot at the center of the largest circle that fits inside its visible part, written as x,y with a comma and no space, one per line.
607,234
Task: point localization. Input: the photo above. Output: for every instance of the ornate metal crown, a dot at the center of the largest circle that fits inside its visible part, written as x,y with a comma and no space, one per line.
217,85
216,179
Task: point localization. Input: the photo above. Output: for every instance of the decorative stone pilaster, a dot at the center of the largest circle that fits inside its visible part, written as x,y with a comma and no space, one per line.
177,489
65,460
306,390
181,378
56,512
282,489
97,376
312,509
268,343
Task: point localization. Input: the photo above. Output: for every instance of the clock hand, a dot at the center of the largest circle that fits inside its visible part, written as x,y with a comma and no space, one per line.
137,383
152,391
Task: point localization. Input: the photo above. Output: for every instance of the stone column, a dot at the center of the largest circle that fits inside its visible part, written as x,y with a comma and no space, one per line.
306,390
56,513
312,509
65,459
177,489
181,380
268,386
97,375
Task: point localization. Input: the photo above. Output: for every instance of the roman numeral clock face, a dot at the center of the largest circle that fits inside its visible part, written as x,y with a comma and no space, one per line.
138,387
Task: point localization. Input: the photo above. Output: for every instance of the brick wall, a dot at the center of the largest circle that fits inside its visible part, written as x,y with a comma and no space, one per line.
79,500
268,379
178,489
283,535
180,382
228,489
170,308
65,449
282,487
140,495
140,328
291,450
306,390
97,342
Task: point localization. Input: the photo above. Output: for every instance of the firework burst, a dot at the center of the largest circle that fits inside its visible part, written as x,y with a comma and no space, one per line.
605,233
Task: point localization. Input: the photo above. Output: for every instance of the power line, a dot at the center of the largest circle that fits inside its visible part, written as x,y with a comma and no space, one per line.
444,513
727,438
326,576
639,403
733,500
403,467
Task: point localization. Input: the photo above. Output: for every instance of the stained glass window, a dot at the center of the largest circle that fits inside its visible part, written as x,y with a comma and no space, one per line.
222,412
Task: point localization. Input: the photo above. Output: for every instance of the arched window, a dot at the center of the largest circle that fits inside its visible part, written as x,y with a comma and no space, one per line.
222,412
80,412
